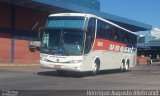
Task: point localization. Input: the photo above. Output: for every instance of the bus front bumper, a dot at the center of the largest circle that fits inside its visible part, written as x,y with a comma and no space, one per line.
62,66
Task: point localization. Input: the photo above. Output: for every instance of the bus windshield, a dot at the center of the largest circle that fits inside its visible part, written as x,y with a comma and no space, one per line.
63,42
64,35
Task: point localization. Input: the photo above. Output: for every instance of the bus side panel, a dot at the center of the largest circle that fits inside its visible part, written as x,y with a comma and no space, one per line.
108,60
133,60
110,54
88,61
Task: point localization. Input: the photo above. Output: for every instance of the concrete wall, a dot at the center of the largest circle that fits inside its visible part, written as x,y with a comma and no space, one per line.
17,28
142,60
5,47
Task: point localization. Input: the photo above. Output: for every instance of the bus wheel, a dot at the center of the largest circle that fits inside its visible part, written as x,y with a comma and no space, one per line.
122,66
126,67
95,68
61,72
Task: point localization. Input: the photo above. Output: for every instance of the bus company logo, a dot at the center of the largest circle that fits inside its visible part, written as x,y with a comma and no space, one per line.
100,44
114,47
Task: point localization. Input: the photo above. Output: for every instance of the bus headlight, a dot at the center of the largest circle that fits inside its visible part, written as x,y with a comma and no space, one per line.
76,61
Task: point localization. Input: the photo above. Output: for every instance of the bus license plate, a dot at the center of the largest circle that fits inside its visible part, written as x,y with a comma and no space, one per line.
57,66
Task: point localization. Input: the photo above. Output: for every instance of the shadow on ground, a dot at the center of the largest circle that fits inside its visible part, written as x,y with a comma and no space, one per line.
76,74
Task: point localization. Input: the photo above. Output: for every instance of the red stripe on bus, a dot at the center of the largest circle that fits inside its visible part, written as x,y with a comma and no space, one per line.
102,44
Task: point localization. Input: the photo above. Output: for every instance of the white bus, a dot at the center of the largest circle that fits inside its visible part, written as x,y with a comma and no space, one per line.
85,42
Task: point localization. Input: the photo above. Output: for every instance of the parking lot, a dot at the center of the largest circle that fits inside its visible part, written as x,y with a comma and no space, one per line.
35,78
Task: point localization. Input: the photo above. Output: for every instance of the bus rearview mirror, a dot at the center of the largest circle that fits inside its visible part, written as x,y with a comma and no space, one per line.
40,31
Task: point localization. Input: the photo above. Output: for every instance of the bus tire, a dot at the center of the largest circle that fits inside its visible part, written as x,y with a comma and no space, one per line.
122,65
126,67
61,72
95,67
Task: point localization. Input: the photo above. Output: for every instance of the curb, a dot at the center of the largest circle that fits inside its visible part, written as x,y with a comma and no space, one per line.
19,65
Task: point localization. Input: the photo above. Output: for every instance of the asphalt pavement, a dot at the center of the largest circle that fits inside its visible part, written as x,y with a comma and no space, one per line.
34,78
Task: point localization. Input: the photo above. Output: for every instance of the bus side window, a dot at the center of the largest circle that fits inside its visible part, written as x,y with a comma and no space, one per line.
126,39
134,40
115,36
108,32
100,29
90,34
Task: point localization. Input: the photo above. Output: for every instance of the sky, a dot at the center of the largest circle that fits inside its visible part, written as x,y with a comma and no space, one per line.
145,11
